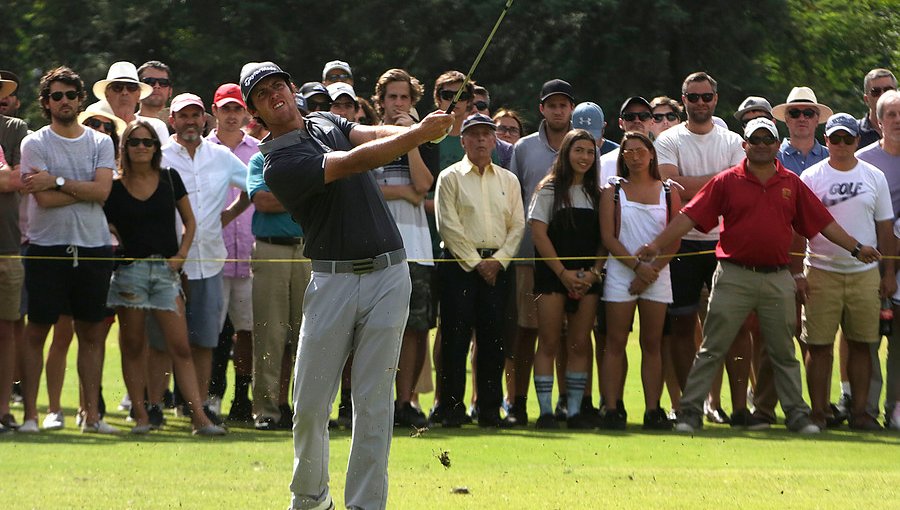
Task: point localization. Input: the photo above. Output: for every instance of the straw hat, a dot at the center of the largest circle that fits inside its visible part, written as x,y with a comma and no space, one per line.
7,87
121,72
102,109
802,96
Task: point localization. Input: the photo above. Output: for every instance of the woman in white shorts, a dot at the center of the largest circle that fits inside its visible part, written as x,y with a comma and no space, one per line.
629,220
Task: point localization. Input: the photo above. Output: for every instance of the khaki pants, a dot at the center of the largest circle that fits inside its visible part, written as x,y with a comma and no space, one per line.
278,289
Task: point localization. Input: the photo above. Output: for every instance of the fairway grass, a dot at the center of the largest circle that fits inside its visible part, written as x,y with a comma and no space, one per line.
519,468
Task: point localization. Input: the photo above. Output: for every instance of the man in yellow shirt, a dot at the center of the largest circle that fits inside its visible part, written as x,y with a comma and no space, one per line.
481,220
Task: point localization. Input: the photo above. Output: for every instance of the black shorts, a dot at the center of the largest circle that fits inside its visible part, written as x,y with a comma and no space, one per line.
689,273
67,285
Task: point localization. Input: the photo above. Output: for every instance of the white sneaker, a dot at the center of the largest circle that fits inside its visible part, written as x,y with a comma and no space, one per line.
54,421
214,404
79,418
125,404
809,429
28,427
101,427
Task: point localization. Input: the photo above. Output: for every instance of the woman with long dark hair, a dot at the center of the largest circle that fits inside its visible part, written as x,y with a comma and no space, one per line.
141,212
633,212
563,216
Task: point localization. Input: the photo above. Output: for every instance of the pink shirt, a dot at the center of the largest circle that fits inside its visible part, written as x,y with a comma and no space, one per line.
237,235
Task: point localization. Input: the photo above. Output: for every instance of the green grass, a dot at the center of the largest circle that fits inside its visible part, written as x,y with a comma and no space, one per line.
521,468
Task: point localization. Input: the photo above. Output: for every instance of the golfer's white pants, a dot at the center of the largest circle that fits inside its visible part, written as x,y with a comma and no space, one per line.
365,314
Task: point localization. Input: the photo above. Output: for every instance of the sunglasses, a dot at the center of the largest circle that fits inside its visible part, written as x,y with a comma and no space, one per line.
631,116
316,106
481,105
71,95
338,77
671,117
706,97
134,142
448,95
118,86
513,130
877,91
808,113
836,139
635,152
162,82
756,140
95,123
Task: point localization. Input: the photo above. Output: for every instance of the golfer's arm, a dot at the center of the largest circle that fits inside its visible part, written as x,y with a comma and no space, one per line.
362,134
369,155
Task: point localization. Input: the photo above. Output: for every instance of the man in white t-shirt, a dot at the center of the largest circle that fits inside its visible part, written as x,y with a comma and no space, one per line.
404,183
691,154
841,290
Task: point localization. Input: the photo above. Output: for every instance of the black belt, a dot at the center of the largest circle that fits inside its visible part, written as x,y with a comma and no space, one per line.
360,266
760,269
283,241
485,252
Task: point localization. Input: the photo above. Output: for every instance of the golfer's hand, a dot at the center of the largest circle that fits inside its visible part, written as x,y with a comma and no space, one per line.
647,253
434,126
868,254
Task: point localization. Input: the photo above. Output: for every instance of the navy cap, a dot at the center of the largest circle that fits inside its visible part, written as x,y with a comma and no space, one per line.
840,121
557,86
477,119
312,88
634,99
253,72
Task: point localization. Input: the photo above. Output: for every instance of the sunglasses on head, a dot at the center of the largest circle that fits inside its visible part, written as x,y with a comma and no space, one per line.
767,139
162,82
836,139
631,116
118,86
71,95
707,97
513,130
147,142
448,95
95,123
877,91
481,105
671,117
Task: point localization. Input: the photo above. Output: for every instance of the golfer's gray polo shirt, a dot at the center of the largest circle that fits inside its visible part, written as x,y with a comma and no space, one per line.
531,160
346,219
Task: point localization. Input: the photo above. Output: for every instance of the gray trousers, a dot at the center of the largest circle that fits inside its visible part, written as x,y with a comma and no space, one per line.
736,292
365,314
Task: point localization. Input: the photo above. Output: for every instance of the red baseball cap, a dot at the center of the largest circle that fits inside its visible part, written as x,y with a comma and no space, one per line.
227,93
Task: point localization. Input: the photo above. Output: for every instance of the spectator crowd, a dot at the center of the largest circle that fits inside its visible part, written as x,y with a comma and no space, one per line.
529,253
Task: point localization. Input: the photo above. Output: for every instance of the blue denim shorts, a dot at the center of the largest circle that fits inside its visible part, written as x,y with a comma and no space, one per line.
146,283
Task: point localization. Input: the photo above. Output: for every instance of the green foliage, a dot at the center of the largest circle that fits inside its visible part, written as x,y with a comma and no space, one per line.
608,49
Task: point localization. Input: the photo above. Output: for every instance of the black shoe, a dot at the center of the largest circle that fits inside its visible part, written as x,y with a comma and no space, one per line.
517,416
213,417
864,423
405,415
657,419
562,409
837,417
493,420
520,411
580,421
266,423
156,417
546,421
588,409
740,418
614,419
758,421
455,418
345,414
437,415
241,411
286,422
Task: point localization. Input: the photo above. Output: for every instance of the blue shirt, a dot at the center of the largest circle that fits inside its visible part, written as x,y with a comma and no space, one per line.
267,224
795,161
607,147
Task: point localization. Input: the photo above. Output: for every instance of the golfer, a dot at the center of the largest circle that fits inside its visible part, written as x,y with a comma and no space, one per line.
358,297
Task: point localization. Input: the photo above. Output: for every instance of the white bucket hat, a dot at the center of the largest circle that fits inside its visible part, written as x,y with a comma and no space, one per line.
101,108
124,72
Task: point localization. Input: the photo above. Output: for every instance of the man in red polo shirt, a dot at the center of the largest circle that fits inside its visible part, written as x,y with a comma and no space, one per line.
762,204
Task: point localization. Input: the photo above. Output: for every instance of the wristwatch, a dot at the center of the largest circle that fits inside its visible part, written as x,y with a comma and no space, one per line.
60,182
855,252
596,273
